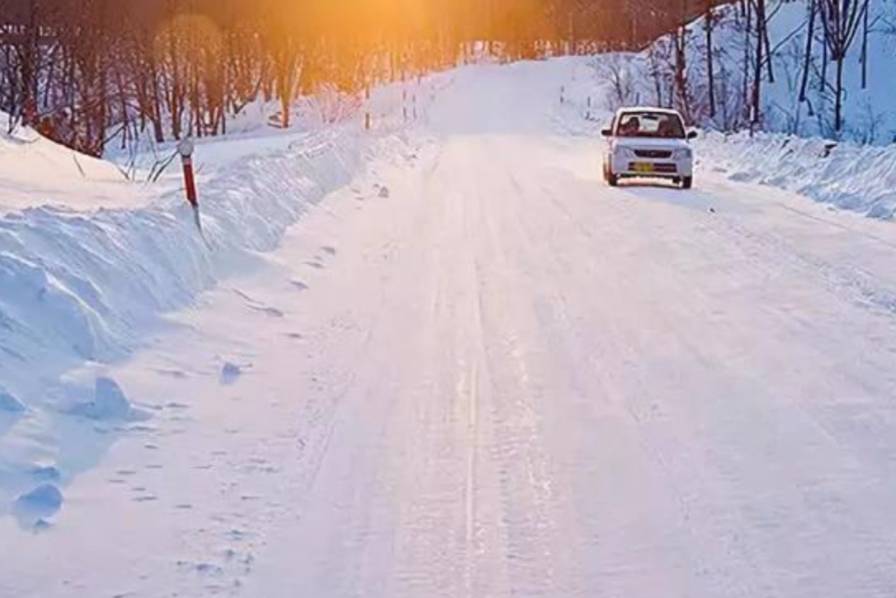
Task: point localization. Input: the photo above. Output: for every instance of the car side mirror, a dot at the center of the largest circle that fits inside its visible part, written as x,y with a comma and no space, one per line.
692,134
606,132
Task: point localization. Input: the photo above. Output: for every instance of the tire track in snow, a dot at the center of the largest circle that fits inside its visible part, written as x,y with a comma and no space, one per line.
518,443
566,336
470,493
853,284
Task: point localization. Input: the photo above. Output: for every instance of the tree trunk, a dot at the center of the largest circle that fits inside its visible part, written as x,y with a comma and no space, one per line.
865,50
757,73
748,16
807,59
710,70
838,102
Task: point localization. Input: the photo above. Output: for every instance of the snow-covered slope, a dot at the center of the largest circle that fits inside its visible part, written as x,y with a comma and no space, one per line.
87,286
845,175
35,171
90,263
869,112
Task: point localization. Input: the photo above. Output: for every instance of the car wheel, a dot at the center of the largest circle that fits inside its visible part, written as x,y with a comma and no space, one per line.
612,179
676,180
687,182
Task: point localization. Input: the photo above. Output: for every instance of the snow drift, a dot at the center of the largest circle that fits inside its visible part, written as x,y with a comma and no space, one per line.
36,171
90,262
79,285
849,176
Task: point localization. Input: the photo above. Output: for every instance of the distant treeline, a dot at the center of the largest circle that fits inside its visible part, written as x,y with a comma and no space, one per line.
87,72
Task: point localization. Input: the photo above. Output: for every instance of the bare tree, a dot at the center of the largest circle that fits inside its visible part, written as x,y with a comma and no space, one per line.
759,58
841,20
709,24
807,58
145,71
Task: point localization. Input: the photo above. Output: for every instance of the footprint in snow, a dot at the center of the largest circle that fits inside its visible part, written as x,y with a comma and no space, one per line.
32,509
246,297
316,265
237,534
45,472
201,568
301,286
177,374
141,429
259,306
268,311
328,249
230,373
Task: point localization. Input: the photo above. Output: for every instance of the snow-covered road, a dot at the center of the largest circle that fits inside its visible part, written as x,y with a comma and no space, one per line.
478,371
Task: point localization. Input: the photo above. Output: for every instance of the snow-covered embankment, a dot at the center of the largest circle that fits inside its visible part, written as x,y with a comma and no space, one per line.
846,175
84,286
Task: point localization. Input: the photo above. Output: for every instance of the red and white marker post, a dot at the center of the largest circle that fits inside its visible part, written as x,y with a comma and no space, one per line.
185,148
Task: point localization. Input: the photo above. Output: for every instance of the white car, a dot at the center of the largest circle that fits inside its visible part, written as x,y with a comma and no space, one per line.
649,142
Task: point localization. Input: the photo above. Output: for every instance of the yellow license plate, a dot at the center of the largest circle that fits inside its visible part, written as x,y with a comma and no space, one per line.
642,167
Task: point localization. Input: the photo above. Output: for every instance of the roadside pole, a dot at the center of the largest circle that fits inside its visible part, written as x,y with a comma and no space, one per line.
367,122
185,148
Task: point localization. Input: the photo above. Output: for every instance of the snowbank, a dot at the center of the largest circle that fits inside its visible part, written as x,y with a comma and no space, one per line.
90,262
84,286
77,285
35,171
849,176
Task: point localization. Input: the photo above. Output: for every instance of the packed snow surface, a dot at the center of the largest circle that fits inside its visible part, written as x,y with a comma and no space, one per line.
471,369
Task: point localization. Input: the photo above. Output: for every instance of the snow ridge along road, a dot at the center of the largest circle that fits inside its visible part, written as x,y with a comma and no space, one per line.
477,371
